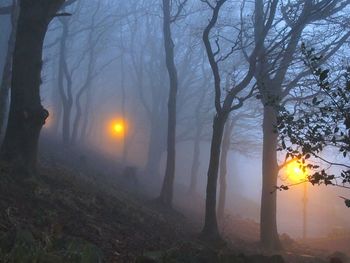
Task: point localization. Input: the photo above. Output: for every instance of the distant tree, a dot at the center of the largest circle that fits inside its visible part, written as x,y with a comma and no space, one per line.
65,82
239,138
6,74
96,30
166,194
201,121
27,115
149,77
78,68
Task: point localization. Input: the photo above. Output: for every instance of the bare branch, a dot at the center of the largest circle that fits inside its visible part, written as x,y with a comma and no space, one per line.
178,12
62,14
208,3
211,55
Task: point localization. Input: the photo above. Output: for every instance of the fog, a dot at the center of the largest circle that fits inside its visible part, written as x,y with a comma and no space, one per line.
105,82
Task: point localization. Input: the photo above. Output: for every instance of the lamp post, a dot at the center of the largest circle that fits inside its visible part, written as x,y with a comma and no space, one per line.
305,201
296,174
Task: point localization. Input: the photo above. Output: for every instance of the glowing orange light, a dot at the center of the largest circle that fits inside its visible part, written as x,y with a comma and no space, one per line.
295,171
117,128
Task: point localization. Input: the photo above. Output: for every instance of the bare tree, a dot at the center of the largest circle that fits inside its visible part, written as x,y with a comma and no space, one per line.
230,103
239,136
96,30
65,75
277,73
149,77
166,194
200,122
27,115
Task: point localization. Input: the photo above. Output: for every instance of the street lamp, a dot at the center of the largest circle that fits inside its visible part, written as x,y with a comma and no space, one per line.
118,129
297,174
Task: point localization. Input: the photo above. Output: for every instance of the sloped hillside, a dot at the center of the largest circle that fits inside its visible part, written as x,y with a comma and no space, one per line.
58,217
77,211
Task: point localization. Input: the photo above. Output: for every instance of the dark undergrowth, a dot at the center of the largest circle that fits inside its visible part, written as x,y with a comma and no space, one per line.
57,217
71,212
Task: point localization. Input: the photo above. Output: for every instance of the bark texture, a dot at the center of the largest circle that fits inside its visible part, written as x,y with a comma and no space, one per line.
27,115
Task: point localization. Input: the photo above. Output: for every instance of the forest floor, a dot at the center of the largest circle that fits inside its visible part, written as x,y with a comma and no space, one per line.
74,212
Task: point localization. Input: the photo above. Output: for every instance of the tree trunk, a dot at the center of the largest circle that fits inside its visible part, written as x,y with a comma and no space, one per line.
77,119
56,108
88,103
197,140
123,99
79,111
268,223
67,109
66,98
210,230
27,115
88,80
166,195
7,71
195,162
156,147
223,170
